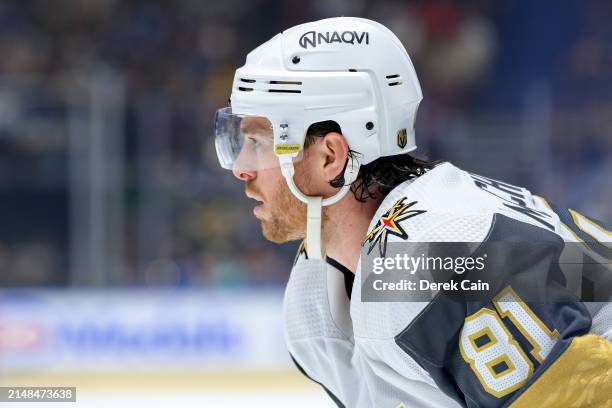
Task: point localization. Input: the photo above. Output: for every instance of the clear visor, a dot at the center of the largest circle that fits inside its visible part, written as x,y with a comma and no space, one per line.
245,142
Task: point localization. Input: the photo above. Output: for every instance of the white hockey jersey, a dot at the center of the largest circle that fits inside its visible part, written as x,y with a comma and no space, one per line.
440,354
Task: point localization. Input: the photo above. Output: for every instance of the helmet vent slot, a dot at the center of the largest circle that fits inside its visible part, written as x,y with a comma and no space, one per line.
285,90
242,88
286,82
394,79
249,81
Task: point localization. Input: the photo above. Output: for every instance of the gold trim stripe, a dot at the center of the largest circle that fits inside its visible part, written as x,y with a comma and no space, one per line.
581,377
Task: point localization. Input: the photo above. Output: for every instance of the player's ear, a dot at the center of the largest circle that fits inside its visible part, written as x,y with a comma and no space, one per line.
335,152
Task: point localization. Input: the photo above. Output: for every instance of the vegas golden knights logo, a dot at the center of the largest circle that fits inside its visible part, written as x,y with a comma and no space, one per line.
301,251
390,223
402,138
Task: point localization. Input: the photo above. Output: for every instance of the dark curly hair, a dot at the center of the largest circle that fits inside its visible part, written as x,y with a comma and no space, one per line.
378,177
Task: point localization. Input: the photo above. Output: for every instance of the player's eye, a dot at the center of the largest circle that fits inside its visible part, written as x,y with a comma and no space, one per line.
254,142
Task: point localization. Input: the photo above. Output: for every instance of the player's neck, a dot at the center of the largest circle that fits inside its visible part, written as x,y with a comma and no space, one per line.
345,226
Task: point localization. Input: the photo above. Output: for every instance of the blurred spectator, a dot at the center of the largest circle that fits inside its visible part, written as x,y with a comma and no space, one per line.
186,222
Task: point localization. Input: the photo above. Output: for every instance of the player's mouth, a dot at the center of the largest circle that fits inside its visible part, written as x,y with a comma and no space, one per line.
258,209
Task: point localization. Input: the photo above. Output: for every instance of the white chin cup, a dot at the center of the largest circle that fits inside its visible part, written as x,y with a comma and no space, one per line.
314,204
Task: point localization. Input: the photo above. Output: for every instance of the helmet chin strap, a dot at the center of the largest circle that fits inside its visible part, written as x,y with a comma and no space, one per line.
314,204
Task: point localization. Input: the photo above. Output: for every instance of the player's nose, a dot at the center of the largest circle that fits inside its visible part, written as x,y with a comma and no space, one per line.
244,175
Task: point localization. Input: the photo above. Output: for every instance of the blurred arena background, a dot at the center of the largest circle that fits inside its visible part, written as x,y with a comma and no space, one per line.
130,264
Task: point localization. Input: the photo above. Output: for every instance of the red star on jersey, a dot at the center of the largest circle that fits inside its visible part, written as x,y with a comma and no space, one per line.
389,223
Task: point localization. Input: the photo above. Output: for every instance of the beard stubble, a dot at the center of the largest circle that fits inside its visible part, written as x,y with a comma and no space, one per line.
287,221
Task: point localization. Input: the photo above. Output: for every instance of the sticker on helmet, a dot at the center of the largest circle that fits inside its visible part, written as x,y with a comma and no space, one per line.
313,38
402,138
286,148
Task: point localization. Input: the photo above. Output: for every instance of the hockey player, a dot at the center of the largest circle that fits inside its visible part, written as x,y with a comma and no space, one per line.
319,129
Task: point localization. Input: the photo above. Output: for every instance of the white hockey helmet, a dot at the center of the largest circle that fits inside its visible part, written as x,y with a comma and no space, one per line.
349,70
